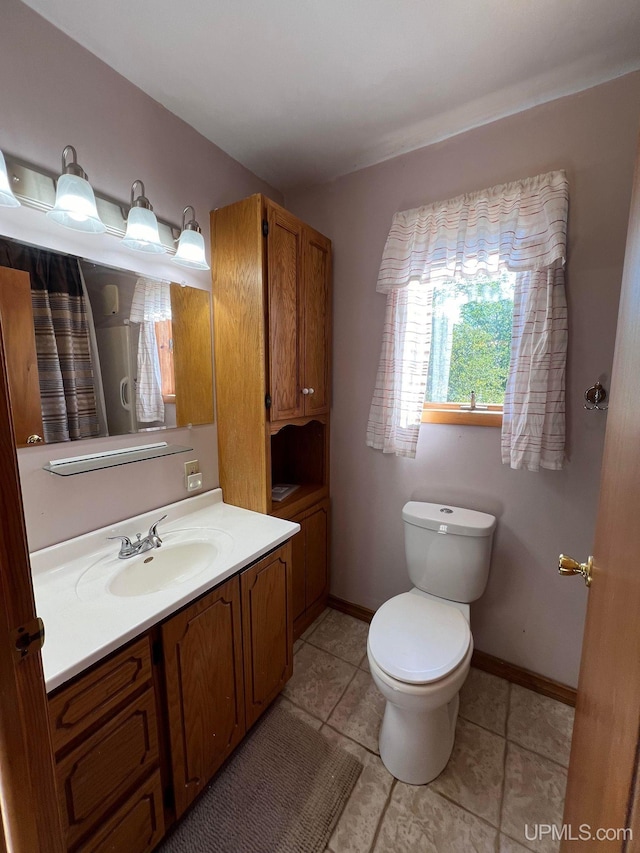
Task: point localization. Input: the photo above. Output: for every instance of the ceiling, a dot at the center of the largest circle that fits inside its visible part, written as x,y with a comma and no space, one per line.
301,91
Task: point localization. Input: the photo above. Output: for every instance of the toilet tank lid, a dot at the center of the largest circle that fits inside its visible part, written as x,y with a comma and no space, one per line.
448,519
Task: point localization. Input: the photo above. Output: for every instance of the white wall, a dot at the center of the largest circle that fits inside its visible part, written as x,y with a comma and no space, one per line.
528,615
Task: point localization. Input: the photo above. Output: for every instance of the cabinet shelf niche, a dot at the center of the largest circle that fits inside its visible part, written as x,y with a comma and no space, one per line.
299,457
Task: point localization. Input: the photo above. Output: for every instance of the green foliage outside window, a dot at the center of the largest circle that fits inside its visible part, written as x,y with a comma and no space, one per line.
480,352
471,340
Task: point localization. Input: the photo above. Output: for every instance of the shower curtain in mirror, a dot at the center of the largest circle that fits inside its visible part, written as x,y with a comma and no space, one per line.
65,370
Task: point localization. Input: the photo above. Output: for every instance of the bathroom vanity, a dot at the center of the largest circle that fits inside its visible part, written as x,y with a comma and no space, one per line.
153,683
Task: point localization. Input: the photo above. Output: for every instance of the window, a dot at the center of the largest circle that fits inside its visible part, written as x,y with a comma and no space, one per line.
470,350
429,272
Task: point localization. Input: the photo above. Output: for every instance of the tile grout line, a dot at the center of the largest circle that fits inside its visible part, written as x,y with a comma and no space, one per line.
480,726
344,660
528,748
353,740
539,755
516,841
513,741
345,806
383,814
504,761
458,805
347,686
325,722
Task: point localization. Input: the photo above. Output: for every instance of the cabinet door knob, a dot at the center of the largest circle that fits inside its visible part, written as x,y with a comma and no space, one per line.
311,391
305,391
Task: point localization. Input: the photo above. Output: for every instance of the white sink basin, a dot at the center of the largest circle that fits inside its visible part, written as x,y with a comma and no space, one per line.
161,568
183,555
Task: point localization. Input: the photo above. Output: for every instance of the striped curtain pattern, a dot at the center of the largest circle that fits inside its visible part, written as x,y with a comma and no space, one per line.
402,372
65,370
519,226
533,422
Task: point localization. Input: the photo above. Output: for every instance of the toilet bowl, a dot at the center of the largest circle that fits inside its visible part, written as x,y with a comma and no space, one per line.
418,727
419,645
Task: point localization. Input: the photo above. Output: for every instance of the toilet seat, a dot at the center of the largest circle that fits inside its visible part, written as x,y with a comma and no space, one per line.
417,640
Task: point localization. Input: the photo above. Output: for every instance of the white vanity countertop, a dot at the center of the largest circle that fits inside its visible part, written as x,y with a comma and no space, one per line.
84,622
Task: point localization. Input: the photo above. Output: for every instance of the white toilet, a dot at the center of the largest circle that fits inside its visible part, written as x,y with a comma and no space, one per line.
420,643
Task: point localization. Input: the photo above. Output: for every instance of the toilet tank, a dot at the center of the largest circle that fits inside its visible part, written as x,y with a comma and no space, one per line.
448,549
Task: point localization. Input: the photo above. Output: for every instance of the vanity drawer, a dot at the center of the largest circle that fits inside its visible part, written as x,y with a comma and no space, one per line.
106,766
137,826
77,707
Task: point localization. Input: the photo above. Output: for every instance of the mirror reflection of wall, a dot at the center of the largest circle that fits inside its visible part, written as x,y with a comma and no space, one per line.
103,347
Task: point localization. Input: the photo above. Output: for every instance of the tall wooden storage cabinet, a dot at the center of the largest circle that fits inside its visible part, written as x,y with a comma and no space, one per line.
272,337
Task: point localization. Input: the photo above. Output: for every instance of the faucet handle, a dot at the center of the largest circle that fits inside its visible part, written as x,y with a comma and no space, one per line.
126,545
124,539
153,530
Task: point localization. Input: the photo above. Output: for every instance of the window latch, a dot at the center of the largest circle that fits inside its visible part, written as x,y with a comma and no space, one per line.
472,406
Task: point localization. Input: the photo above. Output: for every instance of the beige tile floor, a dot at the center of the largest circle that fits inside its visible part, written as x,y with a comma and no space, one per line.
507,770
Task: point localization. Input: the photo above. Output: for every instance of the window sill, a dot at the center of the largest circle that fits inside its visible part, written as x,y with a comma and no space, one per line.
491,417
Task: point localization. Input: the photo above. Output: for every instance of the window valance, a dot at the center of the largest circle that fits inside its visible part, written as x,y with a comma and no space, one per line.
516,226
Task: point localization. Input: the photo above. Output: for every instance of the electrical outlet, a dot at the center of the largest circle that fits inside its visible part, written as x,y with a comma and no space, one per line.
190,468
194,482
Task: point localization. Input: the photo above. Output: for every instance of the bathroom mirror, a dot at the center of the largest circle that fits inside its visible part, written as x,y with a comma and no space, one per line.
94,351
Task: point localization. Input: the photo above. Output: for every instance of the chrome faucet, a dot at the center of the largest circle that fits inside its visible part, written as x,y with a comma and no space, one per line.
140,545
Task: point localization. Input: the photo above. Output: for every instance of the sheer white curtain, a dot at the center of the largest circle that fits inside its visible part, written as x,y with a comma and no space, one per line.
151,304
402,373
533,422
521,227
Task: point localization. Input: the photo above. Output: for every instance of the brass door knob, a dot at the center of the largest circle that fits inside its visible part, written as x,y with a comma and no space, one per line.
569,566
35,439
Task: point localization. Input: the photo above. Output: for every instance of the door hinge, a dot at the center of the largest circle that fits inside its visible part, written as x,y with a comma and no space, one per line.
28,638
267,401
265,228
156,652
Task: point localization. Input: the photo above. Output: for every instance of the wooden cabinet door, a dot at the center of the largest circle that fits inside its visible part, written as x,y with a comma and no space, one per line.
205,699
192,355
16,313
267,621
286,346
316,528
317,322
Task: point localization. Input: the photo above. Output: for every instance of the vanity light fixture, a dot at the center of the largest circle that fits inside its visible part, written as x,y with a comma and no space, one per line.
7,198
22,184
190,251
142,226
75,205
